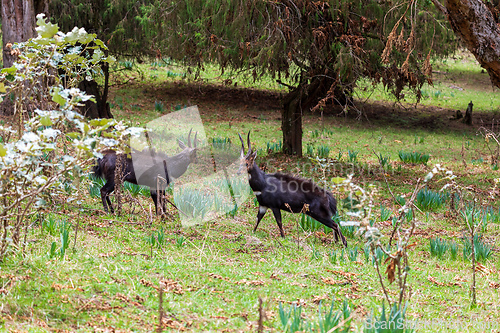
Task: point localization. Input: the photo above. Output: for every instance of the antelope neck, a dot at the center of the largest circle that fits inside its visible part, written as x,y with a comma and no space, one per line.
257,180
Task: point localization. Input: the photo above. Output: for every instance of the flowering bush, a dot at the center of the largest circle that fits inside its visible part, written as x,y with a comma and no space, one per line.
46,155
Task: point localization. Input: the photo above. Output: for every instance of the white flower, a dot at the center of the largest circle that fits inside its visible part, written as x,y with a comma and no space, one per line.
30,137
429,176
50,133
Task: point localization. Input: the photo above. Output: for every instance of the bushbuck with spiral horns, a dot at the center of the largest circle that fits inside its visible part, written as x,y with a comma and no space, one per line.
151,164
292,194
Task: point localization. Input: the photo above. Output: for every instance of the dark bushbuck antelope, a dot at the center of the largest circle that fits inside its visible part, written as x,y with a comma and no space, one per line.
152,165
284,192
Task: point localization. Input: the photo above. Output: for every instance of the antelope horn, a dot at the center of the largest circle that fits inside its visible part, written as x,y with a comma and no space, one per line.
242,144
189,138
249,144
195,135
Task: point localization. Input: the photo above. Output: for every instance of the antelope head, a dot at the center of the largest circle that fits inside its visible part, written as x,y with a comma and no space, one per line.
189,150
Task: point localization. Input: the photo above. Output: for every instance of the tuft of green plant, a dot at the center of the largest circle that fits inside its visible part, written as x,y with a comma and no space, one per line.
353,156
221,143
292,320
480,160
379,256
428,200
157,238
384,161
323,151
340,155
307,223
95,186
330,321
333,322
438,247
127,65
316,254
400,200
309,150
194,203
391,322
453,250
482,250
352,253
273,147
366,252
385,213
413,157
64,237
159,106
418,139
333,256
180,241
136,190
50,224
492,215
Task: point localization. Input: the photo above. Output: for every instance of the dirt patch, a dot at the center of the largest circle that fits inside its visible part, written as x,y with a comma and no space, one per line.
239,104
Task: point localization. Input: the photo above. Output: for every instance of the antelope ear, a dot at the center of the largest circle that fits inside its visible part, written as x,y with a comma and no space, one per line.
253,156
181,144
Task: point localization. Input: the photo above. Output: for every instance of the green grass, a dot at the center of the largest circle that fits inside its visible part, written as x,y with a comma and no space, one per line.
215,272
457,81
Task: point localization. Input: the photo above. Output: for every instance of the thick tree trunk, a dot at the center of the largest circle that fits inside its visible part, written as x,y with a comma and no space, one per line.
18,25
99,109
291,122
473,22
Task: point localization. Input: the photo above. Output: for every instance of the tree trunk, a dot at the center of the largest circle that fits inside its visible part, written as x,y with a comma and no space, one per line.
291,122
18,25
99,109
468,114
474,23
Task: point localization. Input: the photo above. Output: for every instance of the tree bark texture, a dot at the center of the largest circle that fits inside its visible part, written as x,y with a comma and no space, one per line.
101,108
18,23
474,23
291,122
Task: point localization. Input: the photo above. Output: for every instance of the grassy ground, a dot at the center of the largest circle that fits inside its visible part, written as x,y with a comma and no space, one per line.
215,272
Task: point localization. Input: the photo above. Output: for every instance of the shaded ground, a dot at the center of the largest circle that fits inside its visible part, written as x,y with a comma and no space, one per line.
226,103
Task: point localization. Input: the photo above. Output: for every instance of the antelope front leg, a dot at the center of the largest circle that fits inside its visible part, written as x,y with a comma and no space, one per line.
260,215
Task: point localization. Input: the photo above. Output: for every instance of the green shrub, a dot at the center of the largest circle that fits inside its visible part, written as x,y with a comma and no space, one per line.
193,203
159,106
310,150
393,321
384,161
413,157
428,200
307,223
221,143
323,151
330,321
438,247
273,147
482,250
385,213
353,156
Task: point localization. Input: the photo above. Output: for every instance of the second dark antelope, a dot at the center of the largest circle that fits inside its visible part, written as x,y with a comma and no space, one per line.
284,192
151,165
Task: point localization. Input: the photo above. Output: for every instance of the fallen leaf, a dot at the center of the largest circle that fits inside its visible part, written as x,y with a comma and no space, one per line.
390,271
317,299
